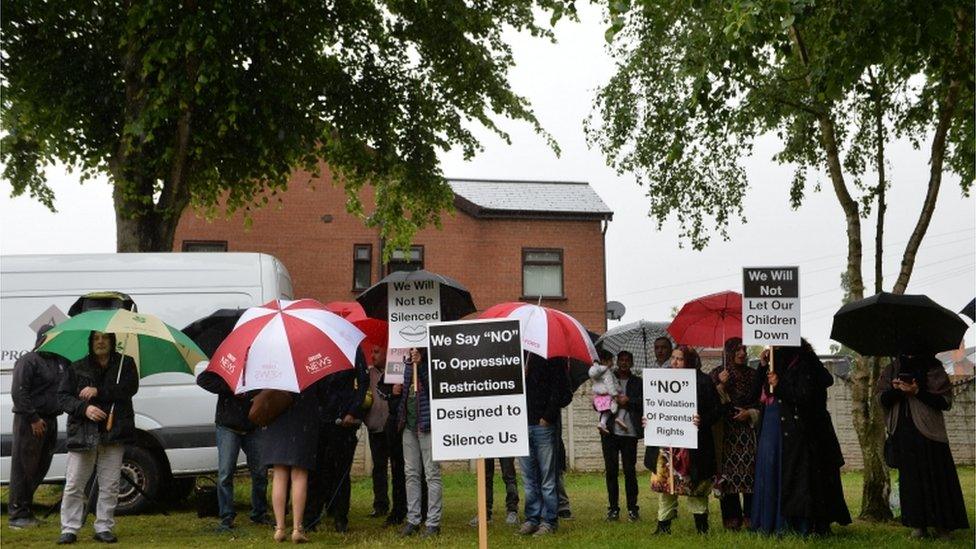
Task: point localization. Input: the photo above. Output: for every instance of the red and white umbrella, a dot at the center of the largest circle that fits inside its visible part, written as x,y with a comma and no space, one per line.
547,332
286,345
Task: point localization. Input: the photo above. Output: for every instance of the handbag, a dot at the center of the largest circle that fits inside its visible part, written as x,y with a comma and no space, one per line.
268,405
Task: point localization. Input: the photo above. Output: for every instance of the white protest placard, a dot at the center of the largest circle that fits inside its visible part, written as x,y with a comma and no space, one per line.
410,306
771,306
670,401
477,390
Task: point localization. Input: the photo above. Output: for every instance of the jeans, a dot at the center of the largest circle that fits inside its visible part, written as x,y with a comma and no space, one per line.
625,448
229,445
417,455
106,460
507,466
539,476
30,458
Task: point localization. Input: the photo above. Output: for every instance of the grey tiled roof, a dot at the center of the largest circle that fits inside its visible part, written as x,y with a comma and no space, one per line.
549,199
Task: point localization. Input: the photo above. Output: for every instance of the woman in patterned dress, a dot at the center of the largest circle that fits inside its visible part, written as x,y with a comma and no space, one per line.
738,387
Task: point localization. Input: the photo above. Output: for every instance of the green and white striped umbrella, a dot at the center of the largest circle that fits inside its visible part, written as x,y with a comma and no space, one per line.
155,346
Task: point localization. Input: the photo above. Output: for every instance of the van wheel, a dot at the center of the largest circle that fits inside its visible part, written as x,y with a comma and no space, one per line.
142,467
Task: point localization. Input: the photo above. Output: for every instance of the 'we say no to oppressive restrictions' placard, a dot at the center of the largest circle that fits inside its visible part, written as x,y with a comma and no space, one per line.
477,390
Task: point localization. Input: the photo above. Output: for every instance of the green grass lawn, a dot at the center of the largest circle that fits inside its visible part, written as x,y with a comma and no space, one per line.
587,528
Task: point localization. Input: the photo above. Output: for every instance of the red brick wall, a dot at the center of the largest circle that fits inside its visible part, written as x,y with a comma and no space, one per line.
483,254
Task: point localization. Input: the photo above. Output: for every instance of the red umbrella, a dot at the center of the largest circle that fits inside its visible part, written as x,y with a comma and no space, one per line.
708,321
376,330
547,332
287,345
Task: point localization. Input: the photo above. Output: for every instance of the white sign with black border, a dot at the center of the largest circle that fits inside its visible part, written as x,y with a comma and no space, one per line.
670,401
771,306
477,390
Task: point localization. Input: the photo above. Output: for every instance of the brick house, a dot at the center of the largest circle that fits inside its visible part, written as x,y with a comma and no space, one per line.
506,241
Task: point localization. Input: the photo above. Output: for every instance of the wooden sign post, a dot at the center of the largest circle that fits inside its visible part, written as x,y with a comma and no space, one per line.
482,505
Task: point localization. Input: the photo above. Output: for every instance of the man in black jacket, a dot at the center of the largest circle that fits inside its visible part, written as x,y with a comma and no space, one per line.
34,390
235,432
341,397
625,432
547,391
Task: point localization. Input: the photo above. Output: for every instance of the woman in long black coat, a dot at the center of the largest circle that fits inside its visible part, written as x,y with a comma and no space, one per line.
914,391
798,486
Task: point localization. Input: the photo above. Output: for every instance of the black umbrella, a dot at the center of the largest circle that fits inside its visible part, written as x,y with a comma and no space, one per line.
98,301
891,324
969,310
210,331
456,300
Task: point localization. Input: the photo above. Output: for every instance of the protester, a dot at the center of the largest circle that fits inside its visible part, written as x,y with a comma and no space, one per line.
96,393
547,392
340,398
34,392
413,418
798,460
683,471
605,390
289,445
235,432
620,443
738,387
662,358
379,448
915,391
394,443
507,465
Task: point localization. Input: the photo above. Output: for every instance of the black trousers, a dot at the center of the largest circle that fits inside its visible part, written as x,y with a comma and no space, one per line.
328,483
733,510
380,452
507,466
625,449
398,478
30,458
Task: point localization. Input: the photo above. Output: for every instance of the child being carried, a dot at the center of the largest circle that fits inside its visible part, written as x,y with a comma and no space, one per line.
605,390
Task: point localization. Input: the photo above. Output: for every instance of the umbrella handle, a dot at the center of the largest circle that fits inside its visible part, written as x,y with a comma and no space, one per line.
772,365
111,418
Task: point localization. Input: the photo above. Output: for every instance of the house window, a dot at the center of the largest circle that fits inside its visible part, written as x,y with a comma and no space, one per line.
362,266
406,261
542,273
204,245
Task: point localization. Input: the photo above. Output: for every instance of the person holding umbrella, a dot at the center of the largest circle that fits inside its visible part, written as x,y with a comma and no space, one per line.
100,384
915,391
738,388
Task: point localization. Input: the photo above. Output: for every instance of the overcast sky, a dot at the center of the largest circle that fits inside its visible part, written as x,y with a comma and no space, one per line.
646,269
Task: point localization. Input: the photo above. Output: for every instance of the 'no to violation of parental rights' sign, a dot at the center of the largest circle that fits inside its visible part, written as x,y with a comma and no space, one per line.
477,390
771,306
670,401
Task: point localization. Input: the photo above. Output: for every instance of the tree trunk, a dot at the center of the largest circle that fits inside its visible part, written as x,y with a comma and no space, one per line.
144,231
865,410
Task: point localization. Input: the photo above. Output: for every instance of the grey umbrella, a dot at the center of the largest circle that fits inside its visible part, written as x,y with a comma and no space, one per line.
636,337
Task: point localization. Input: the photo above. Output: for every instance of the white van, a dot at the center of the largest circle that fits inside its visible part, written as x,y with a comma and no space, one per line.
174,417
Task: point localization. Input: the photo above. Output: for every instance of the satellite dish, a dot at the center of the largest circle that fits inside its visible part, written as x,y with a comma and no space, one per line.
615,310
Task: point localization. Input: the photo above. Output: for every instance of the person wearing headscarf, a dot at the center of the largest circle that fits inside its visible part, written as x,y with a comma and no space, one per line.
738,388
798,462
683,471
914,392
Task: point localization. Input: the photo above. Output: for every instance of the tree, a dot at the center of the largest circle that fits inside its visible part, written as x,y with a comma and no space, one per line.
209,102
698,82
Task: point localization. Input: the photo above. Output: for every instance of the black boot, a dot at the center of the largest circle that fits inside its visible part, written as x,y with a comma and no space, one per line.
663,527
701,523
